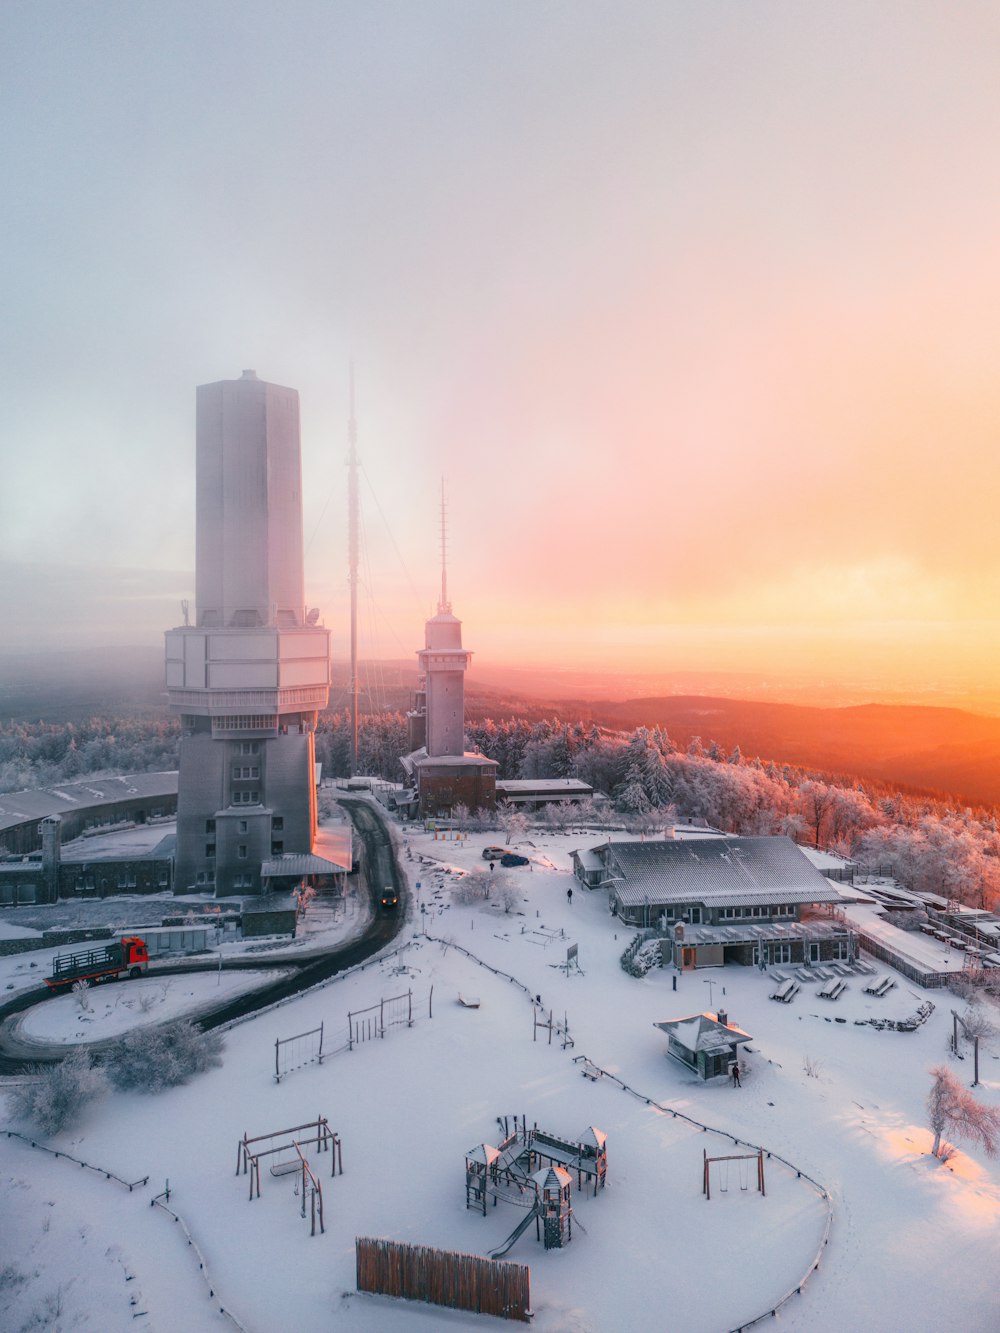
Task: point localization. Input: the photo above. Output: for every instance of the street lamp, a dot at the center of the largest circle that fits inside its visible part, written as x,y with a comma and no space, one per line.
711,993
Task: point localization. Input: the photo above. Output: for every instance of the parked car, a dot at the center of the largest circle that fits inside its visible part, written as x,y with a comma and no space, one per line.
512,859
492,853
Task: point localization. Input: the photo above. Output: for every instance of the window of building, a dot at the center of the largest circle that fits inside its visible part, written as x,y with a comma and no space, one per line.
242,825
246,798
201,877
277,848
209,848
209,825
249,747
782,953
126,879
164,878
241,851
243,881
840,949
278,824
245,772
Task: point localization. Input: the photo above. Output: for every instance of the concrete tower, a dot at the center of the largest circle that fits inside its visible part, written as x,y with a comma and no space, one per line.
249,676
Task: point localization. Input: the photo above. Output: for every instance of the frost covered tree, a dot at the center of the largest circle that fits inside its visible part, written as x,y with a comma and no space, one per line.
952,1109
149,1059
511,822
54,1100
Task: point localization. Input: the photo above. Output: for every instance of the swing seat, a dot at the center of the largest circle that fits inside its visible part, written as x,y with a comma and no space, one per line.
285,1168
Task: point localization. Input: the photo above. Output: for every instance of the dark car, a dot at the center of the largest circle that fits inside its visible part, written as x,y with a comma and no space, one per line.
389,899
512,859
492,853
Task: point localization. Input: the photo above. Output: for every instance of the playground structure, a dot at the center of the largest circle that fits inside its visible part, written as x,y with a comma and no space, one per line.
533,1169
723,1173
286,1147
292,1053
394,1011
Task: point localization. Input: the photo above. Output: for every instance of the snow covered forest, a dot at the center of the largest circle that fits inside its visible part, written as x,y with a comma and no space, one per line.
929,844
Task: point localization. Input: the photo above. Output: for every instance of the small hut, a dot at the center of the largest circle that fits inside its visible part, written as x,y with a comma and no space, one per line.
707,1044
554,1188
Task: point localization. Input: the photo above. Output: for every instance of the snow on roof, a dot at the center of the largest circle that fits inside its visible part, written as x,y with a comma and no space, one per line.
334,843
927,953
18,807
589,860
522,786
484,1153
703,1032
724,871
299,864
825,860
144,840
451,760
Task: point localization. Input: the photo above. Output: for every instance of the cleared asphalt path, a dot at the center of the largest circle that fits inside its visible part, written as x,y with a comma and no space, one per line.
380,868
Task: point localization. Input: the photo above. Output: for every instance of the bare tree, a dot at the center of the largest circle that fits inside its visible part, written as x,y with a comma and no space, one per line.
953,1109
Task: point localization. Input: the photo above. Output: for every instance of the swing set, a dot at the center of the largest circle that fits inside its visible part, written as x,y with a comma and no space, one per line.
285,1146
722,1175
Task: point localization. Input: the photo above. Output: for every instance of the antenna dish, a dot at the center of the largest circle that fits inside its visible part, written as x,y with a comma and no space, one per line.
312,616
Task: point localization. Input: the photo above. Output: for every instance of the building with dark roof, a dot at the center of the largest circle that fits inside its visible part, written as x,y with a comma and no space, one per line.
721,899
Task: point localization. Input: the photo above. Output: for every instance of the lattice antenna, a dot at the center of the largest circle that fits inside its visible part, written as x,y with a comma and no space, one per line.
352,558
444,605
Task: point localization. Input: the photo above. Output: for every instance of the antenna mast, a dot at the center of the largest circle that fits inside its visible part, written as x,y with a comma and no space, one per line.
444,604
352,559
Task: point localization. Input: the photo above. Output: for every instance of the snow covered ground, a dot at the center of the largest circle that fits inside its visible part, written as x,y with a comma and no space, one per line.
117,1008
912,1243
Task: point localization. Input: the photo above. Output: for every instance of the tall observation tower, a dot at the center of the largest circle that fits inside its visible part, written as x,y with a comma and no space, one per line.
249,676
445,774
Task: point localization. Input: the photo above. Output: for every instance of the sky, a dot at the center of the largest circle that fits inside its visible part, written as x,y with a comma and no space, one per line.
692,306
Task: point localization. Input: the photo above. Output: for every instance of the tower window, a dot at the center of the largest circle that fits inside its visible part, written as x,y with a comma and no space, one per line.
243,826
209,848
209,825
278,824
241,851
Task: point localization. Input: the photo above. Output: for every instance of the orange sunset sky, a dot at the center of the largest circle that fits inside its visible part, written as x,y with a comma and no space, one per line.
695,307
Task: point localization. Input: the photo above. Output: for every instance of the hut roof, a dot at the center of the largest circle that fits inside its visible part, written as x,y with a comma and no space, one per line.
703,1032
483,1153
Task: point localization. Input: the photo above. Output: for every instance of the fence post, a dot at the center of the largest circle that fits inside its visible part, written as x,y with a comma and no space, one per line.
277,1075
381,1017
409,1008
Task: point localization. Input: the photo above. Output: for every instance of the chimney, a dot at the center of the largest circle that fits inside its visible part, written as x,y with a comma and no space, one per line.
722,1017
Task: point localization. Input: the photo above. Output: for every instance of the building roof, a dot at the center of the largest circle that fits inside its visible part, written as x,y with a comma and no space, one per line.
703,1032
298,864
544,786
18,807
588,860
724,872
454,761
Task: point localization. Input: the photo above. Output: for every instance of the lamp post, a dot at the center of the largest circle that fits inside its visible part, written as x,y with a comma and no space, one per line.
711,993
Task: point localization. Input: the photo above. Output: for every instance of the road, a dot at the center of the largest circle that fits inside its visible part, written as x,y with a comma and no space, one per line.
380,868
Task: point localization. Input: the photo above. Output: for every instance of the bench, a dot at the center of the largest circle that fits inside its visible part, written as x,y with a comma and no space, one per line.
880,987
786,991
833,989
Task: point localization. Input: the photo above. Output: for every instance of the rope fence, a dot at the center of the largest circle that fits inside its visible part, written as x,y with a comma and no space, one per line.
130,1185
202,1266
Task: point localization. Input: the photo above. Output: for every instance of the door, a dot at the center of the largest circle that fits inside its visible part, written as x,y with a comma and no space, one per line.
814,953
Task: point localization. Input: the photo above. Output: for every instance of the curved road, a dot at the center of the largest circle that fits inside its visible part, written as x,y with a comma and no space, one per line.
380,869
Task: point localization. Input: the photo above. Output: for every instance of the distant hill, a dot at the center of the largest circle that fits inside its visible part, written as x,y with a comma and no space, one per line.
933,749
936,749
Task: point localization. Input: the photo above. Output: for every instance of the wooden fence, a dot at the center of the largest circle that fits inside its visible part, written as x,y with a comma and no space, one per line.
442,1277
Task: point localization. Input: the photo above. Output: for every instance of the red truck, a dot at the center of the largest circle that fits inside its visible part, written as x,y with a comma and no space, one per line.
105,962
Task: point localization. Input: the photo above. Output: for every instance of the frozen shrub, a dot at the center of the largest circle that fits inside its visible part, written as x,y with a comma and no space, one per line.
151,1059
55,1099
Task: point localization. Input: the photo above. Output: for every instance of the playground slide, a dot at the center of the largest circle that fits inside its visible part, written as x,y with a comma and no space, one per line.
519,1230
